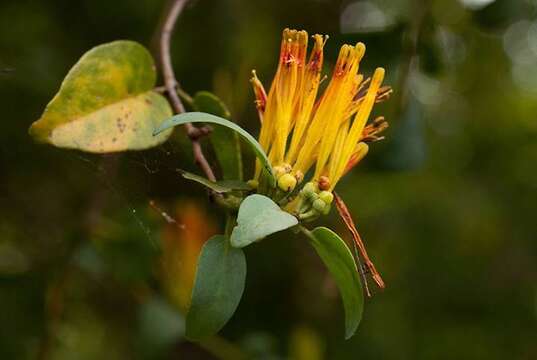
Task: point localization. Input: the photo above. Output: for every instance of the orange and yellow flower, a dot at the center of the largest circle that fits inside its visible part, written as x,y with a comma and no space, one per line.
301,130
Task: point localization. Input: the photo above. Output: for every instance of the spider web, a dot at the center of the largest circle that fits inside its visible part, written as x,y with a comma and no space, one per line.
132,180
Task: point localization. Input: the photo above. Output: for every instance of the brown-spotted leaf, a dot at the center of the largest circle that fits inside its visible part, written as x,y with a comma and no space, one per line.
106,103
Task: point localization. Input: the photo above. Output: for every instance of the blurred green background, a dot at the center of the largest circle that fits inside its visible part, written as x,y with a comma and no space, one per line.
447,204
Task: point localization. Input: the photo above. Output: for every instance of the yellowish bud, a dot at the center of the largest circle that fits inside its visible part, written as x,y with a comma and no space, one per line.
287,182
326,196
279,171
253,183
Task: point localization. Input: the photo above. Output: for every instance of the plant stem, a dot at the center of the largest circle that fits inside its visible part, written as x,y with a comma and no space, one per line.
231,221
171,84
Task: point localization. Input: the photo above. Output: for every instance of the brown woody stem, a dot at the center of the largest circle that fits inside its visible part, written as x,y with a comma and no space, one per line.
171,85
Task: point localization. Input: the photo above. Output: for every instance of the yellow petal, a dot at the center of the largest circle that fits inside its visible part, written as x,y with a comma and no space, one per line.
359,123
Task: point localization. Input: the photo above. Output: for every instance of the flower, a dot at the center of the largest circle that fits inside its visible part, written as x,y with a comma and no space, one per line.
301,130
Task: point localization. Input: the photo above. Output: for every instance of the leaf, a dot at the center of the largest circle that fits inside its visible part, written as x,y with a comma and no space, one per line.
225,141
195,117
106,103
235,185
340,263
220,187
259,217
218,288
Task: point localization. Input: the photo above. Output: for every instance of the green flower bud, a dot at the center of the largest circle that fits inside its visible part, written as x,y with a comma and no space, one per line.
326,196
287,182
319,205
308,190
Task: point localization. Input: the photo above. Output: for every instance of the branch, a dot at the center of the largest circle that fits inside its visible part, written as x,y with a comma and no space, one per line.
171,85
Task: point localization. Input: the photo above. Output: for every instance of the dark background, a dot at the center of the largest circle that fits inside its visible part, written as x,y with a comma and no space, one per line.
447,204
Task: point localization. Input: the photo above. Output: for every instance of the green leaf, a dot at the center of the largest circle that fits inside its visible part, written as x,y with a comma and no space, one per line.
106,103
218,288
259,217
196,117
225,141
340,263
220,187
235,185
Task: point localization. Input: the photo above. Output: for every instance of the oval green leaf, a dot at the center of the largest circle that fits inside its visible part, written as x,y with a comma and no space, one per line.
106,103
220,187
200,117
340,263
218,288
259,217
224,141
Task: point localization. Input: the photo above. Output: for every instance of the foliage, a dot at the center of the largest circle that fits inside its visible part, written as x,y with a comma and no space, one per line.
218,287
258,218
97,105
106,103
445,205
340,262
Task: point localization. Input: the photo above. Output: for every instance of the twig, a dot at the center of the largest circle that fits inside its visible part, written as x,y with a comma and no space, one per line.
171,85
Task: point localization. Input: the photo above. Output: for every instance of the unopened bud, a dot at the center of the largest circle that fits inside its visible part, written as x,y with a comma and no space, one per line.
287,182
324,183
308,190
326,196
287,168
253,183
278,171
319,205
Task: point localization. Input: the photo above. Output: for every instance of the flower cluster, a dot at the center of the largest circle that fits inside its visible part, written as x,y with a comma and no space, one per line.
328,133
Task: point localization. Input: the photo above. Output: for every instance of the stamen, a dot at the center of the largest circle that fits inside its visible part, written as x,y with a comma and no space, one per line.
369,134
383,94
260,95
360,93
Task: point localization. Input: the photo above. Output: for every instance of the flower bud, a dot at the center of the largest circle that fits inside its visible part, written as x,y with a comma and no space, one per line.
287,168
319,205
253,183
324,183
287,182
326,196
278,171
308,190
